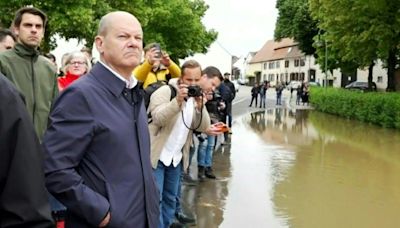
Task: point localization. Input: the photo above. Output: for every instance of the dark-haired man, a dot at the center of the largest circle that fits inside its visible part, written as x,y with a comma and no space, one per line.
32,74
7,39
171,130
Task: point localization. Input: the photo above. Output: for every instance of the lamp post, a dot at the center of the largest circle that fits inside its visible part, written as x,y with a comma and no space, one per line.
326,64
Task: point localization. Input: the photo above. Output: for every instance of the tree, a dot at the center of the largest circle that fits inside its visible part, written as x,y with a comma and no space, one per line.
361,31
295,21
176,24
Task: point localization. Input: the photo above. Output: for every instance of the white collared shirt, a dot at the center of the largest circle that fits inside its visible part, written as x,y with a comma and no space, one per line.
131,83
172,151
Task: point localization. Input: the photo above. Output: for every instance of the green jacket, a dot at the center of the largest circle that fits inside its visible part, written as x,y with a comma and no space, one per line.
35,77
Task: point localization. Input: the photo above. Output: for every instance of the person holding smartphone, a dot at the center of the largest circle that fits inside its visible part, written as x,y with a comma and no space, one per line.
157,68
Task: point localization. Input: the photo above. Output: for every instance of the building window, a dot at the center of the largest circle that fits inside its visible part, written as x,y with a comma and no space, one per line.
278,64
265,66
270,77
286,63
302,76
296,62
380,79
302,62
271,65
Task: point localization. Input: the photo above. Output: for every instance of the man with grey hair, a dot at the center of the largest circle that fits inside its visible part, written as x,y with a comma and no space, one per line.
97,145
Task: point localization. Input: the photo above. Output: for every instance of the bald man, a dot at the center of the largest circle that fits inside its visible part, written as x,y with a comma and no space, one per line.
98,143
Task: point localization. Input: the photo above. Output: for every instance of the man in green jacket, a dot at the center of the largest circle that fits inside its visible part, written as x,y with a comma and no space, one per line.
32,74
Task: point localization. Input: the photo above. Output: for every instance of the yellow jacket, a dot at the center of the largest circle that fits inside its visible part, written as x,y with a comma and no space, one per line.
144,73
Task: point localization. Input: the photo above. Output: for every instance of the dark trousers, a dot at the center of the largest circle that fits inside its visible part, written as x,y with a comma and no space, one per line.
252,99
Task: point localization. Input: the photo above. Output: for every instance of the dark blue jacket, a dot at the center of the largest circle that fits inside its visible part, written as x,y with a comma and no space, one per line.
98,154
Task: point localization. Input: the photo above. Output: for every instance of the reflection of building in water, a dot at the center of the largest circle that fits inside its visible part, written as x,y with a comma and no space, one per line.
283,126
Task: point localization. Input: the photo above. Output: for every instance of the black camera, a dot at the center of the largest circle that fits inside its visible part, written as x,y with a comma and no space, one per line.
194,91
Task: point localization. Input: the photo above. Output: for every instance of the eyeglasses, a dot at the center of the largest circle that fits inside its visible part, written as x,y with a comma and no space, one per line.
77,63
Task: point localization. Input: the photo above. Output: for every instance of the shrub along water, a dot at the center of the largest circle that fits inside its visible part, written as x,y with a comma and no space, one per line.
377,108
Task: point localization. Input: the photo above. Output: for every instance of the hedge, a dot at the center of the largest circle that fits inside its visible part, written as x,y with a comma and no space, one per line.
374,107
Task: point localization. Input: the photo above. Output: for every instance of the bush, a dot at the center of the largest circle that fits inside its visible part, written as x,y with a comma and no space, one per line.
377,108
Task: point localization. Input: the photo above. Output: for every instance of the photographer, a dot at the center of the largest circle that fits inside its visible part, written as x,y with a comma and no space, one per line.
157,67
172,128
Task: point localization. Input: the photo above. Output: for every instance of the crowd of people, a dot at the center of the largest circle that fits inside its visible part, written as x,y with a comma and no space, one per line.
302,93
79,146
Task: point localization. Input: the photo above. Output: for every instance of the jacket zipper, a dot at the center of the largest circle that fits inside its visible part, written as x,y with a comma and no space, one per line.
33,91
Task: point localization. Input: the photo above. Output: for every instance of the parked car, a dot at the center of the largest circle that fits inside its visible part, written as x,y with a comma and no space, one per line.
314,84
293,85
236,84
362,86
243,81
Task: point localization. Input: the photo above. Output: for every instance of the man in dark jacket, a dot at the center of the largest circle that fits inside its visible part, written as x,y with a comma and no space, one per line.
32,74
23,197
98,144
231,87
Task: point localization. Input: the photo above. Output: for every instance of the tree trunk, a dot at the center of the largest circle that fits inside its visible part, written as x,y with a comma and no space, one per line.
370,75
391,84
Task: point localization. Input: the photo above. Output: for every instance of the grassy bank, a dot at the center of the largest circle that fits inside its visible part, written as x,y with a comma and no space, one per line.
378,108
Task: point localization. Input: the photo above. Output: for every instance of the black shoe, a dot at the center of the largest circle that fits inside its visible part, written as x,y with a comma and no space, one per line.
188,180
177,225
200,173
184,219
209,173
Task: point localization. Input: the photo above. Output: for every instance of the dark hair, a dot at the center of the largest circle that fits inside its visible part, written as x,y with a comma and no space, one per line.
212,72
190,64
6,32
30,10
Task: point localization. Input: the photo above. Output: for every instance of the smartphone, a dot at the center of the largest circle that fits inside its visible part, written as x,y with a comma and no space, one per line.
158,48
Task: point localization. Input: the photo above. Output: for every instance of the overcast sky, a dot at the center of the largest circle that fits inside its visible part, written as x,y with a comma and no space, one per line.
242,25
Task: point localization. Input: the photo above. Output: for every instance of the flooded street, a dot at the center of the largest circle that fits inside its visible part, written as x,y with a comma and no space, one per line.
301,169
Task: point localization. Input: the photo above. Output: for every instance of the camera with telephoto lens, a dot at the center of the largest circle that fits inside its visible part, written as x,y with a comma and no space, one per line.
194,91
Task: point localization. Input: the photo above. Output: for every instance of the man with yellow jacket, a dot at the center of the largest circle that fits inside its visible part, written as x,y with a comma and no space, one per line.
157,67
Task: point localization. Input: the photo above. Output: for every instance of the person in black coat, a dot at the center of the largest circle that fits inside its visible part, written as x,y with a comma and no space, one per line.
232,89
254,94
23,196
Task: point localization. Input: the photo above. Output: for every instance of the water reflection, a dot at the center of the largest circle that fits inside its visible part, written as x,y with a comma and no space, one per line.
298,168
207,199
334,172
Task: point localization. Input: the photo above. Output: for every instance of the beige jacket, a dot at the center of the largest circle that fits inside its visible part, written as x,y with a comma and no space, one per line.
164,115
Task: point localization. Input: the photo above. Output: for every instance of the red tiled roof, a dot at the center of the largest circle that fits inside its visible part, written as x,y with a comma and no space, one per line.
273,50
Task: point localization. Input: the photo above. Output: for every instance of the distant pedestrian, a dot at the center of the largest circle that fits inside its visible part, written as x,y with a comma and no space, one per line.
254,94
299,92
263,93
279,88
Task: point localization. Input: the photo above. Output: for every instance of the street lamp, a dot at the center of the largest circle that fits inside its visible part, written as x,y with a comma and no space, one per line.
325,44
326,64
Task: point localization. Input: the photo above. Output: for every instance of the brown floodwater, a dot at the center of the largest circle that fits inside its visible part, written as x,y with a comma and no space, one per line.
301,169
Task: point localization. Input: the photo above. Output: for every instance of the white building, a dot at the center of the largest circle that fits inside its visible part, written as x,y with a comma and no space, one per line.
283,62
